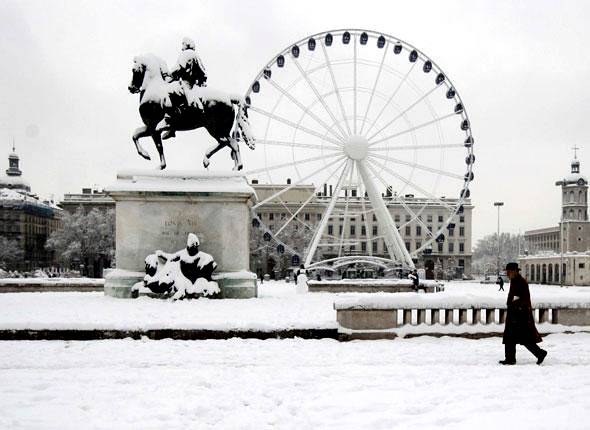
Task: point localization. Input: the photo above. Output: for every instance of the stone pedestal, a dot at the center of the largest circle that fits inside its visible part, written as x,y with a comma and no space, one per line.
157,210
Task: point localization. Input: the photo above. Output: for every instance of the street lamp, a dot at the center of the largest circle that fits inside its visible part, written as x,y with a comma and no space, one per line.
498,205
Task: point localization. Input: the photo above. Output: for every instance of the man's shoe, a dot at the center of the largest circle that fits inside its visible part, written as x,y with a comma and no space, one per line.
507,362
541,356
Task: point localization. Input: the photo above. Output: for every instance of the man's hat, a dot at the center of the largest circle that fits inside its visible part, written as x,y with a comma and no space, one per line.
512,266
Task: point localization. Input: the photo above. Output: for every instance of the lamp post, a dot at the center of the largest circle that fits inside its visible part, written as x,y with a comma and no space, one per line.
498,205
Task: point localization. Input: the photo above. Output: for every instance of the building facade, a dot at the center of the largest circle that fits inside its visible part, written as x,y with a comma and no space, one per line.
25,219
88,199
359,233
567,245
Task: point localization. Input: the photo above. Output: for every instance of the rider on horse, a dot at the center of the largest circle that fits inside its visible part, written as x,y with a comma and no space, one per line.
189,73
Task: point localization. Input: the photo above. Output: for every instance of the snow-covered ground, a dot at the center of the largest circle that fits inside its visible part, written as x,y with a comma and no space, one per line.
278,307
293,384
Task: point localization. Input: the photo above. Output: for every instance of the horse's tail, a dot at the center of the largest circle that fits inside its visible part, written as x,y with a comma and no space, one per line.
241,129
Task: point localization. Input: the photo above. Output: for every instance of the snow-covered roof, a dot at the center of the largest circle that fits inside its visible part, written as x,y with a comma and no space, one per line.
8,196
12,181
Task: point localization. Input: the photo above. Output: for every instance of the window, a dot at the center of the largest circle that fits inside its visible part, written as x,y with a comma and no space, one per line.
461,247
318,217
363,246
408,246
430,228
271,216
408,230
440,218
581,265
429,218
396,218
418,230
375,246
462,218
340,229
363,231
306,216
330,229
353,230
418,244
374,218
408,218
374,230
451,247
353,247
451,232
461,262
462,231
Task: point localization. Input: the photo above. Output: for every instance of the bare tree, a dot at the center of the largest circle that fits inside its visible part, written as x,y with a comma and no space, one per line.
485,252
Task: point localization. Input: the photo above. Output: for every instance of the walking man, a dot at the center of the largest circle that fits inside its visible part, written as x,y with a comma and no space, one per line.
500,282
520,325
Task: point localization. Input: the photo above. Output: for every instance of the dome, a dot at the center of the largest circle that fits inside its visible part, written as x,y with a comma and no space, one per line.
14,183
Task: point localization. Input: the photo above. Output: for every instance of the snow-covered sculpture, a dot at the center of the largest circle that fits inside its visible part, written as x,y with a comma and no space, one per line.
301,279
186,273
178,101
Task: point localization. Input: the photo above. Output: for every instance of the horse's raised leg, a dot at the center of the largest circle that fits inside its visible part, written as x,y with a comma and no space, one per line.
160,148
236,154
212,150
139,133
165,128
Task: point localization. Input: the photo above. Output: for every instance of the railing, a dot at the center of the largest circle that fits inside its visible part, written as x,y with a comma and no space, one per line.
384,314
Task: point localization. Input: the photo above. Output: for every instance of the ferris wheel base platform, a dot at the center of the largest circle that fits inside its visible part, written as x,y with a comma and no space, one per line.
373,286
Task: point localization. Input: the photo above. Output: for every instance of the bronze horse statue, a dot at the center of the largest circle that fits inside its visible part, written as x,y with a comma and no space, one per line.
166,107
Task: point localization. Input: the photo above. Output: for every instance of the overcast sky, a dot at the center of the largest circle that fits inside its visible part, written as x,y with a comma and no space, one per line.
521,68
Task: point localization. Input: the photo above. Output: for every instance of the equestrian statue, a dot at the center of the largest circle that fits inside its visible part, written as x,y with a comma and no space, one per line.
180,101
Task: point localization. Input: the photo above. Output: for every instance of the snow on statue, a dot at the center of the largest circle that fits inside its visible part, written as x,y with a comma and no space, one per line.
179,101
185,273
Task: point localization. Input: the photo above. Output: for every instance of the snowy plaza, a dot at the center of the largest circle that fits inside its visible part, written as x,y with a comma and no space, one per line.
294,215
421,382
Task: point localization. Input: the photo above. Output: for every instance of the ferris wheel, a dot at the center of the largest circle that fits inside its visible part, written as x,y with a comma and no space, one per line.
376,122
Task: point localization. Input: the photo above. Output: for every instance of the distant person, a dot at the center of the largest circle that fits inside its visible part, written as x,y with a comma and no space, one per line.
500,282
413,276
520,325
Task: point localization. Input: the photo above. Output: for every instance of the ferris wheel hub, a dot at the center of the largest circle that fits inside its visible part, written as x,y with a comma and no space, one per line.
356,147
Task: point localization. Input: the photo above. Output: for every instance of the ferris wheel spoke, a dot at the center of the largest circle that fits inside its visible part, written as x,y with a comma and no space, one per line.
345,222
374,87
406,147
297,182
364,212
309,199
306,110
291,163
402,113
419,166
409,130
288,144
391,97
354,87
320,98
412,185
320,230
295,126
329,64
413,214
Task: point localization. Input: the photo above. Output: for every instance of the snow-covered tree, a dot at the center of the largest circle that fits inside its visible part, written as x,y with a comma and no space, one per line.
485,252
10,253
88,238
